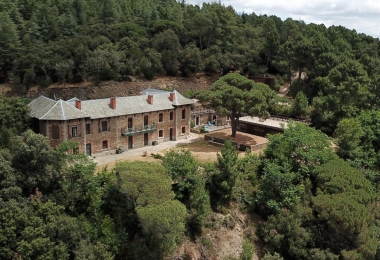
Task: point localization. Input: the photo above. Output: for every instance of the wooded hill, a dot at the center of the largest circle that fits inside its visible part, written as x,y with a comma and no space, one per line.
315,203
47,41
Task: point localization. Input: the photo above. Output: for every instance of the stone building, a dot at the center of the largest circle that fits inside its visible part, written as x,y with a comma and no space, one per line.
202,115
115,123
257,126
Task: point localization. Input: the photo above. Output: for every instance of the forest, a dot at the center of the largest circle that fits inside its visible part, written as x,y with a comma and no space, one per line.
317,201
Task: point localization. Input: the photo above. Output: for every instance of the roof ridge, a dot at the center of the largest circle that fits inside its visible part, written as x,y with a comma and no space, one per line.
63,111
49,109
78,108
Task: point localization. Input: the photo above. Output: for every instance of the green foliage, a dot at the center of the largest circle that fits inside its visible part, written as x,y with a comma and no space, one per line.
301,148
248,250
346,203
189,185
223,180
36,164
348,134
246,182
163,225
278,189
8,181
300,105
275,256
14,118
234,94
150,203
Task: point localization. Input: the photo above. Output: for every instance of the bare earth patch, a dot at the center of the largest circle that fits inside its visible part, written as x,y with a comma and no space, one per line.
240,138
223,237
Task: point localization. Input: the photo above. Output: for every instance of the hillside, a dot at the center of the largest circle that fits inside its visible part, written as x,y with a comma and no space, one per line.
107,89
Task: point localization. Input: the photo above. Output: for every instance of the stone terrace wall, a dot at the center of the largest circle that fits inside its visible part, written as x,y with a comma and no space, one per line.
108,89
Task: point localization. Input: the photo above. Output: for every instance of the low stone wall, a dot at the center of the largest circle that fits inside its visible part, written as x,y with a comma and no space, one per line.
258,147
218,141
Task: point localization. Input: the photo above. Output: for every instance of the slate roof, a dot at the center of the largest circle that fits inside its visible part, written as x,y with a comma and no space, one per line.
47,109
151,91
40,106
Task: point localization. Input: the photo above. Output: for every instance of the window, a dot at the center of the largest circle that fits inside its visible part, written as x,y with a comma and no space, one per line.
183,113
171,116
74,131
55,132
161,134
88,129
130,122
183,130
76,150
105,144
160,117
146,120
104,126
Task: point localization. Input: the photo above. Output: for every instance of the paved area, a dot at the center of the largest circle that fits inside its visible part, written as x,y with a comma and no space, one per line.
241,138
111,157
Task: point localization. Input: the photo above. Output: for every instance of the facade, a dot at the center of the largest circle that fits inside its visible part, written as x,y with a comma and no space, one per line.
116,123
257,126
201,115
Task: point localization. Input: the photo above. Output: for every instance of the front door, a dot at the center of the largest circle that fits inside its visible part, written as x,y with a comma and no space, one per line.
146,141
130,142
197,120
88,149
171,135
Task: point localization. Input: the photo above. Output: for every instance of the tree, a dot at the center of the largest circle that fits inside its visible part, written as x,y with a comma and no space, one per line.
348,135
272,39
345,207
147,187
64,70
9,43
223,181
190,59
234,95
278,189
167,44
80,189
8,182
301,147
36,164
14,114
300,105
190,185
163,225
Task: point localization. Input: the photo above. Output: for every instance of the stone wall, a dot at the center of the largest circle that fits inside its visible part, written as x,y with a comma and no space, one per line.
111,138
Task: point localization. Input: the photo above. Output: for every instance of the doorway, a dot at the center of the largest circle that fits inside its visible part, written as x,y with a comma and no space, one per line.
197,120
146,139
88,149
130,142
171,134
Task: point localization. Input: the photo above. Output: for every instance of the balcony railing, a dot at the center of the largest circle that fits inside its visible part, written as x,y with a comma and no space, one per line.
127,131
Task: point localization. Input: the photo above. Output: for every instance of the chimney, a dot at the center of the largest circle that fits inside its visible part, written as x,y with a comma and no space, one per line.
150,99
172,97
78,104
113,102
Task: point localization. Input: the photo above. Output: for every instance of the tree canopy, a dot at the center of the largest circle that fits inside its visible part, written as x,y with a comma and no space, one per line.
233,95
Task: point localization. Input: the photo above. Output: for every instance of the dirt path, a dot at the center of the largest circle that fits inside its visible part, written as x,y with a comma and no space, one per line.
200,150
